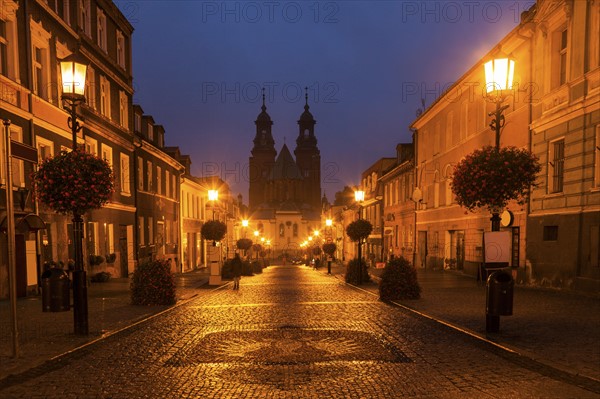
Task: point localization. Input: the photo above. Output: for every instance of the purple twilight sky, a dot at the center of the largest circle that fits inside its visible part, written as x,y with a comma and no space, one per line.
198,68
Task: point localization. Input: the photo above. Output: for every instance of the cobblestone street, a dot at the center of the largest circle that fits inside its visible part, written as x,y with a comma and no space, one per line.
290,332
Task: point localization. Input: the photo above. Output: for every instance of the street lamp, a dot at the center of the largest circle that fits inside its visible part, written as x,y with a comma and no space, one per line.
359,197
499,74
73,70
213,196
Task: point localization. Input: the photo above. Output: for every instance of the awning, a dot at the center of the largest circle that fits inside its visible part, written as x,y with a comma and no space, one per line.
23,223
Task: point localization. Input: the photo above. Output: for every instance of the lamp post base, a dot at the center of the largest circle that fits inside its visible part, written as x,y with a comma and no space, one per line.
80,305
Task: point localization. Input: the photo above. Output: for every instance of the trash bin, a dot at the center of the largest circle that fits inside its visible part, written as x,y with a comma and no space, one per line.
499,300
56,291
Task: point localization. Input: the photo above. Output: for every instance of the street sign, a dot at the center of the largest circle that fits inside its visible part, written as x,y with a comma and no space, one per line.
23,151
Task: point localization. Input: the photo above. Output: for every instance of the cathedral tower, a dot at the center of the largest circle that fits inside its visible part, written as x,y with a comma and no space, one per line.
308,157
263,157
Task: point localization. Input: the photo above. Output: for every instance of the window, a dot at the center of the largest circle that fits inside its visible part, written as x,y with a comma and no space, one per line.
125,179
174,184
91,146
120,49
104,97
159,180
550,233
45,149
138,123
141,228
149,174
101,30
556,166
140,162
559,58
107,154
167,183
92,235
67,11
295,229
464,120
597,158
281,230
18,172
109,234
150,230
85,17
90,88
3,49
123,109
150,132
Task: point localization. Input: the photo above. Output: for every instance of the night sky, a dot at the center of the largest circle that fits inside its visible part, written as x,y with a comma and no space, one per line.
198,68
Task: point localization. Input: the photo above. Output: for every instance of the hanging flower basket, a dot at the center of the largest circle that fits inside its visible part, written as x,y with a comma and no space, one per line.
490,178
359,230
74,182
213,230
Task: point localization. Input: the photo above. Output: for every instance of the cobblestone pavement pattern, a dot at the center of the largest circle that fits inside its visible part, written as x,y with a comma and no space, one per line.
289,333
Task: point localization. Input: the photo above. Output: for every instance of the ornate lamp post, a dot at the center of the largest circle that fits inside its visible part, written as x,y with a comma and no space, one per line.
244,226
73,70
359,197
499,74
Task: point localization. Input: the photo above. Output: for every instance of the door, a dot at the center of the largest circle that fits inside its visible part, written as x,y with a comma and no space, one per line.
21,263
123,258
422,249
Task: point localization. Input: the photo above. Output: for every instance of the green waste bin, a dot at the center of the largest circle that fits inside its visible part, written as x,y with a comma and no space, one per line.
56,291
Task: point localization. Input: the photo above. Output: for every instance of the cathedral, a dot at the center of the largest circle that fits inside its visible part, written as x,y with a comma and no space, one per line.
285,193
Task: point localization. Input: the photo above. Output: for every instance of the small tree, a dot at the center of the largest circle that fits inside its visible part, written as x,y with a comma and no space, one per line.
399,281
244,243
213,230
329,248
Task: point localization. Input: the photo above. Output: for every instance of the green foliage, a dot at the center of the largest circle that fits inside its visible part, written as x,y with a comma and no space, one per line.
399,281
244,243
213,230
153,284
491,178
359,230
352,272
329,248
316,251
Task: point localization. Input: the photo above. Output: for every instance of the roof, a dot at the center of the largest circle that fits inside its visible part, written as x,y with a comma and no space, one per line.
285,167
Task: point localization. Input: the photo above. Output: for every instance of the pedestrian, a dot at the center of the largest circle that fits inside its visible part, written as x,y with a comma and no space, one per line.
236,264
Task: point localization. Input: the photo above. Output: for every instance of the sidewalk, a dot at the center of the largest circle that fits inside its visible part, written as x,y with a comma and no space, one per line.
557,328
44,335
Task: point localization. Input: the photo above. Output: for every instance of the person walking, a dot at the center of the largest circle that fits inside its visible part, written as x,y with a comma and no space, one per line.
236,264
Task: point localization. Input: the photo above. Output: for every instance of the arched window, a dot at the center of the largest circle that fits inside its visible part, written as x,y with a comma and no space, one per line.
281,230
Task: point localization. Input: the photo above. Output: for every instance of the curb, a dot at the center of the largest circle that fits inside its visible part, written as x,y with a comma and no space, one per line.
514,355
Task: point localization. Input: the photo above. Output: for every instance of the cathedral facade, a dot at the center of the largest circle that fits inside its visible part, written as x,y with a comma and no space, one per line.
285,192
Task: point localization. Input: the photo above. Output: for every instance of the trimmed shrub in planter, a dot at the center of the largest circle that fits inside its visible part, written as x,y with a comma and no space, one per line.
101,277
399,281
153,284
213,230
247,268
352,272
111,258
257,267
329,248
227,270
244,243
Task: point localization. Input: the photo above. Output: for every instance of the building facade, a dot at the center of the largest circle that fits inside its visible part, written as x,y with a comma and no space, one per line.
157,181
398,206
35,35
563,236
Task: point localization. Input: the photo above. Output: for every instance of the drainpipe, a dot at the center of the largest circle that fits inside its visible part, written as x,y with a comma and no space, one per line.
415,139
